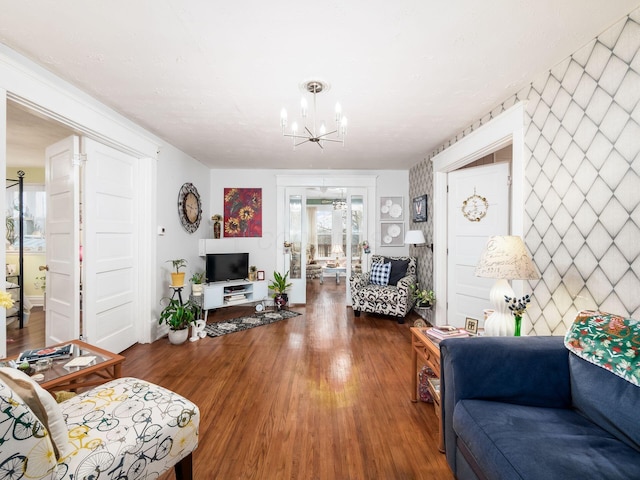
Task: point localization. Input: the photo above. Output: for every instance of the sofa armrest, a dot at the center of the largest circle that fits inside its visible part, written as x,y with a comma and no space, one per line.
404,286
359,280
521,370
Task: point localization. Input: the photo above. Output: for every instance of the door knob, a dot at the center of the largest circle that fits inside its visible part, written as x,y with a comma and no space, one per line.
43,267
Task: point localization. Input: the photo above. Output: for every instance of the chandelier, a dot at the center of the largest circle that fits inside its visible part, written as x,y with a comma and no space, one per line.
311,134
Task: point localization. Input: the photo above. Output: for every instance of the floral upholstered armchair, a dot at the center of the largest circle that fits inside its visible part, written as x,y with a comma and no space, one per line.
126,428
386,288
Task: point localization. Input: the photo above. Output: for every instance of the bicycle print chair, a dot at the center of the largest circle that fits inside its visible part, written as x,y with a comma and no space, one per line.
392,297
124,429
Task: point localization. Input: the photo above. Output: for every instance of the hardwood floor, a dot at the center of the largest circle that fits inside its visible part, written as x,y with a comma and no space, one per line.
323,395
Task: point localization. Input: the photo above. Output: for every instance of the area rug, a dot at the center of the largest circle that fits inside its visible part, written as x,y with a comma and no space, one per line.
245,323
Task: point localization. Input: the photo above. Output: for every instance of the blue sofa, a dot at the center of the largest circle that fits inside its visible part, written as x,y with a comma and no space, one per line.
528,408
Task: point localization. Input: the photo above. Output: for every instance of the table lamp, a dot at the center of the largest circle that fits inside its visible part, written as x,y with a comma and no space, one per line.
337,250
504,258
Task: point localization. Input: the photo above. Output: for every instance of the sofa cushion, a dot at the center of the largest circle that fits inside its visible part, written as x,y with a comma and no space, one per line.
26,452
43,405
515,441
398,270
380,273
595,390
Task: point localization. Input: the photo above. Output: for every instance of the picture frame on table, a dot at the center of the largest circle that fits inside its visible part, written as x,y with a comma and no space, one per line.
471,325
420,209
260,275
391,209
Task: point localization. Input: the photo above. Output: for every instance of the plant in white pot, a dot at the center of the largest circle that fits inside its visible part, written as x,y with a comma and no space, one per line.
178,317
196,280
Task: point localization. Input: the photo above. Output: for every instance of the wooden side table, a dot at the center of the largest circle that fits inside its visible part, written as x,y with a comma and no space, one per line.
429,353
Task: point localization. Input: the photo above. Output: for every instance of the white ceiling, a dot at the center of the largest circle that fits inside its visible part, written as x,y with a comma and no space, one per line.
211,77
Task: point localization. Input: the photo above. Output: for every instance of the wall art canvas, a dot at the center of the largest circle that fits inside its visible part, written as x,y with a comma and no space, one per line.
391,208
243,212
391,234
420,209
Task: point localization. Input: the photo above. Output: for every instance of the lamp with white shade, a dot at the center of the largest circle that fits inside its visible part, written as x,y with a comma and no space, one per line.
338,252
504,258
414,237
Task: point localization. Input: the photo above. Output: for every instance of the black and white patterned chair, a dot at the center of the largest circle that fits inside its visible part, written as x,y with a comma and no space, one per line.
395,300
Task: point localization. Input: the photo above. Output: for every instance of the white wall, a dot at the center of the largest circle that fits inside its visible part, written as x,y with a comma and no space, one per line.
262,251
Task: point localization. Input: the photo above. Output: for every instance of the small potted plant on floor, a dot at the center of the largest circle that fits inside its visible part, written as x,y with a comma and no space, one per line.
424,298
177,277
196,280
178,317
279,286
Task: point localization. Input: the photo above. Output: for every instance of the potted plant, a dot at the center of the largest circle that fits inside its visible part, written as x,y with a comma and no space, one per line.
253,273
196,279
178,317
279,286
177,277
424,298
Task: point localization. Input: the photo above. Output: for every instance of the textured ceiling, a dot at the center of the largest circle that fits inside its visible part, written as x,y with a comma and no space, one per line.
211,77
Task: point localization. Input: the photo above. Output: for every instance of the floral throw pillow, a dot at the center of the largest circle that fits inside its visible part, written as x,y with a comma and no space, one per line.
380,273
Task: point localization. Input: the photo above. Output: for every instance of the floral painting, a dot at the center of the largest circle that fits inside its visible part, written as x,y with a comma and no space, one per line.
243,212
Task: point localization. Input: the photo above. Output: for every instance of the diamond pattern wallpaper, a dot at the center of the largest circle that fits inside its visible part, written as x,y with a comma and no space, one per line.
582,186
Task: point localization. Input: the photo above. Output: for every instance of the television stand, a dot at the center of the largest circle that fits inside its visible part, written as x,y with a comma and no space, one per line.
234,292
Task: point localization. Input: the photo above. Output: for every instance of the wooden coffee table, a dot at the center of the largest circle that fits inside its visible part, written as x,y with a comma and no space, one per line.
107,366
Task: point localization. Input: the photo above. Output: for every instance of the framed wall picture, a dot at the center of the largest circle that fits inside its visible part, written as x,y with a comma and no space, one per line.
391,234
391,209
420,209
260,275
471,325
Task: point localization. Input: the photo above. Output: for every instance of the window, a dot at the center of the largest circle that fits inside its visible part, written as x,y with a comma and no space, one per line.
35,214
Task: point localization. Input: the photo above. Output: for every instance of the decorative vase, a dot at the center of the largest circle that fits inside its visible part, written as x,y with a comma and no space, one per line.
518,325
177,279
197,289
253,276
177,337
216,229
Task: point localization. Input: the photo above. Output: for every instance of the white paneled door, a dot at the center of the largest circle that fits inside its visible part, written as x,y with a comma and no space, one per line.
63,244
110,214
468,295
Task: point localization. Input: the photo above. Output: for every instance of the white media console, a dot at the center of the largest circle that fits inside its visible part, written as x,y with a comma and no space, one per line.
235,292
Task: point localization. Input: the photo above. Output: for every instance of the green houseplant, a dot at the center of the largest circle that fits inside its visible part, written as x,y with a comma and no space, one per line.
279,286
177,277
196,279
178,317
424,298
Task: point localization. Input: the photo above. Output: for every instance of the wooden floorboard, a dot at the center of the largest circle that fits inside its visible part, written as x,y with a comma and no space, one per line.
324,395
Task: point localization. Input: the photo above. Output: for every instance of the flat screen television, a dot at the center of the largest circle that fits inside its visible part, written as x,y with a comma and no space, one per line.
224,267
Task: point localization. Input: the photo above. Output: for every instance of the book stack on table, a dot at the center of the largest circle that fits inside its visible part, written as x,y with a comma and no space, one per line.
437,334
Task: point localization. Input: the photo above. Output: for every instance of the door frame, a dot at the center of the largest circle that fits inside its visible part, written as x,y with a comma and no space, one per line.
315,180
505,129
28,84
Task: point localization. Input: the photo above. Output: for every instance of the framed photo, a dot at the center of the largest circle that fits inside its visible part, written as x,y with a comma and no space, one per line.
391,234
420,209
471,325
260,275
391,208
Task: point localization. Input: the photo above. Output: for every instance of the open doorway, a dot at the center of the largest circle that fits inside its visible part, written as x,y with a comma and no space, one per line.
28,135
335,219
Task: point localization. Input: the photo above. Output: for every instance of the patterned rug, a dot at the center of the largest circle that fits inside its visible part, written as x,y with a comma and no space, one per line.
245,323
